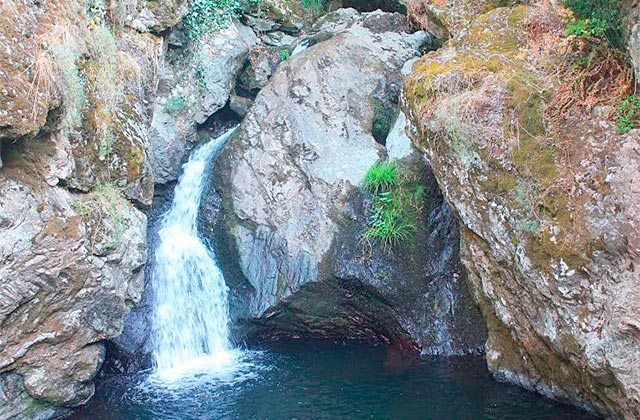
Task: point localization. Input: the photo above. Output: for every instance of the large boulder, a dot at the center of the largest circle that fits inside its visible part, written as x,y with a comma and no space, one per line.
548,196
289,185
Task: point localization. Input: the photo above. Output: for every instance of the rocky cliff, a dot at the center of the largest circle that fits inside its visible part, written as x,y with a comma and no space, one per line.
74,159
522,142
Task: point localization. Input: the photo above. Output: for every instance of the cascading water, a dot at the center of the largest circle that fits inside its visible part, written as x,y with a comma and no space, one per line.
191,331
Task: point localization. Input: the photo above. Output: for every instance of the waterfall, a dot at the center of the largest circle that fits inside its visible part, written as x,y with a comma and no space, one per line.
191,331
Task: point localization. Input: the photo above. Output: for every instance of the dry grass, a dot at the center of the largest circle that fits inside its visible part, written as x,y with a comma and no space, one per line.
595,76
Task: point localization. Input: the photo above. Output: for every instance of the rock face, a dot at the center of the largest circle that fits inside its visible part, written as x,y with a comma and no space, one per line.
548,197
195,83
74,153
289,185
68,280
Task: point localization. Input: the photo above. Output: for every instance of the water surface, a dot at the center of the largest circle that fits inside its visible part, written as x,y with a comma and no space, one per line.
315,380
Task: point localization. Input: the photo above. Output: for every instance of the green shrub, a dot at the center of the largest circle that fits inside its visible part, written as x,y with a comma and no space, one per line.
382,176
175,104
596,18
206,16
628,114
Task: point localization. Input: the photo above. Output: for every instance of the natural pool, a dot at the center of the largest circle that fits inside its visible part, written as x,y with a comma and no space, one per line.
319,380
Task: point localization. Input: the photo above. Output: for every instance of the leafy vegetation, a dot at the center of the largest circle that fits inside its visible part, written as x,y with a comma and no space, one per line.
628,114
383,118
396,203
313,6
206,16
595,19
284,54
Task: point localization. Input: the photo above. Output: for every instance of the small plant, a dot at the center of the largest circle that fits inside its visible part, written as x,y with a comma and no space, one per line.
175,104
396,204
103,203
382,176
284,54
388,223
107,141
313,6
595,19
82,209
628,114
73,84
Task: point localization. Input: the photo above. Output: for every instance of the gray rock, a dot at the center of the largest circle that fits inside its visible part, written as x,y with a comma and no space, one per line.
68,280
192,88
157,16
289,181
240,105
260,25
398,143
278,39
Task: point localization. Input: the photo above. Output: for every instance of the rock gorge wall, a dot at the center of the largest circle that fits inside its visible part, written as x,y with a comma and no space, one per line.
99,103
547,195
73,117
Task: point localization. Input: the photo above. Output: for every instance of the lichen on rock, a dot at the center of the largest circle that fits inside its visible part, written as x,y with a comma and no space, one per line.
545,249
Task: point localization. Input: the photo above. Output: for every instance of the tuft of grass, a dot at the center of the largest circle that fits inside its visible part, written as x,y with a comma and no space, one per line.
382,176
395,207
628,114
388,222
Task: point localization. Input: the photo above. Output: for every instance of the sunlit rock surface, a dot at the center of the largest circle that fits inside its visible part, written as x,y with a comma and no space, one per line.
548,200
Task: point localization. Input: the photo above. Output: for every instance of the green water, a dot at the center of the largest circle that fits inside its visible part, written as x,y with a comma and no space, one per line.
310,380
